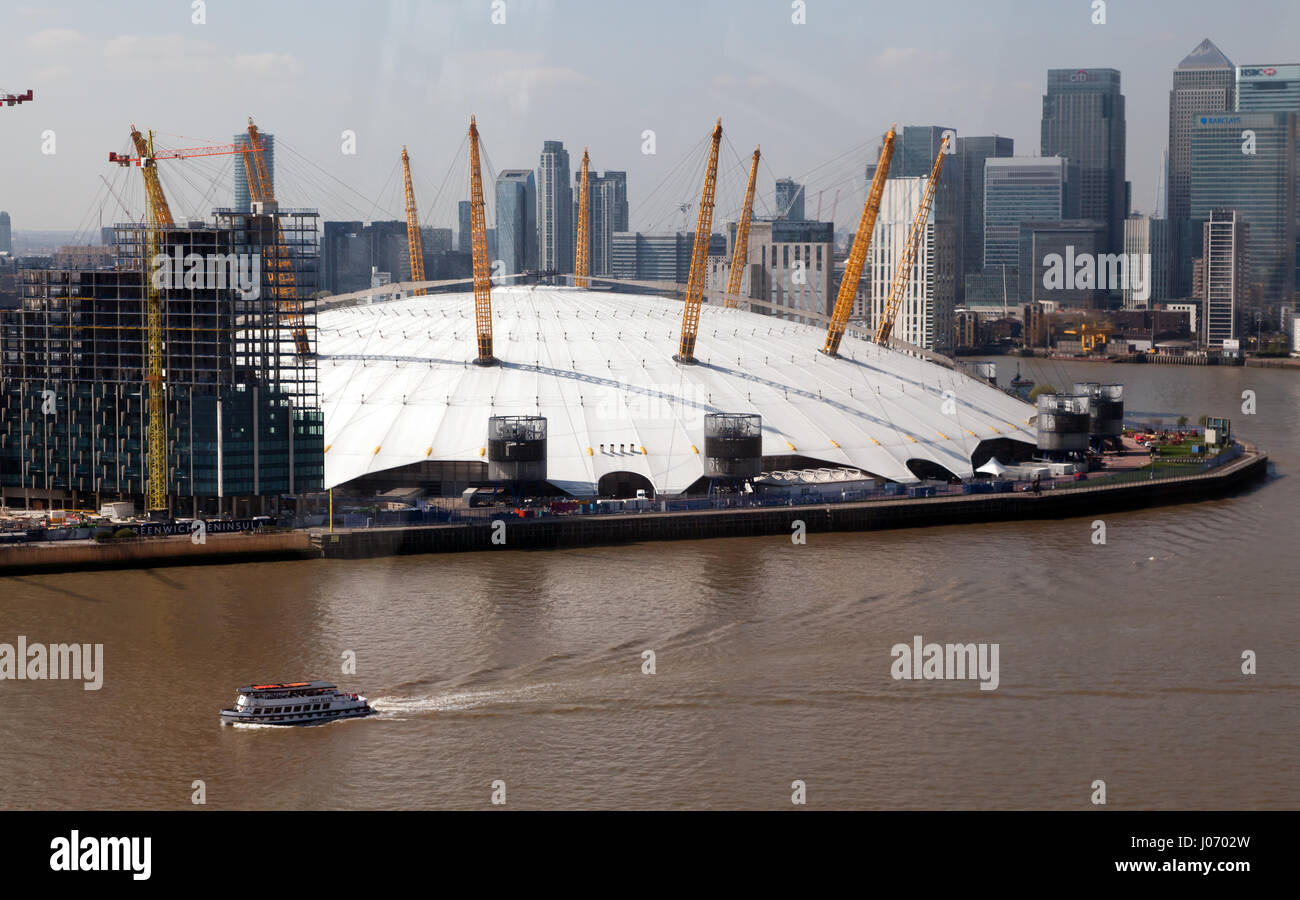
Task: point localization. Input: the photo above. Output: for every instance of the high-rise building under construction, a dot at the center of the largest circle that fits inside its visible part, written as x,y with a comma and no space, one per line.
243,421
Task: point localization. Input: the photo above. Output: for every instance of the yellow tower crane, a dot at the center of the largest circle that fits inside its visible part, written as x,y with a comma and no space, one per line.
885,328
582,267
156,427
858,255
413,242
478,243
740,253
284,287
700,254
157,216
152,186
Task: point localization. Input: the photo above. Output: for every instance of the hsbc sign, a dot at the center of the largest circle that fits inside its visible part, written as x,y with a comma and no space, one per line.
1261,73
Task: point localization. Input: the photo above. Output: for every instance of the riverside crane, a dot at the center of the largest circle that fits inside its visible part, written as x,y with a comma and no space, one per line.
413,242
583,265
885,328
158,216
284,286
699,255
858,255
740,253
478,244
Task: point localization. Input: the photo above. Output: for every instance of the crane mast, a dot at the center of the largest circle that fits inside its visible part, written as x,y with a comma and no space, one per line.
885,328
152,186
157,216
699,255
478,243
858,255
156,425
583,266
740,253
280,266
413,242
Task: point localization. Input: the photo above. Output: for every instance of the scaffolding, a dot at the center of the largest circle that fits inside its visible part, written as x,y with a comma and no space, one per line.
242,416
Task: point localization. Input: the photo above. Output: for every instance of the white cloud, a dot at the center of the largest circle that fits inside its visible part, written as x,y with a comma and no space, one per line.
49,40
915,58
515,78
267,65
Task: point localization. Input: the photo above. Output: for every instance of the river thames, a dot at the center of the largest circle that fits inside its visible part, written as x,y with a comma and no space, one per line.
1119,662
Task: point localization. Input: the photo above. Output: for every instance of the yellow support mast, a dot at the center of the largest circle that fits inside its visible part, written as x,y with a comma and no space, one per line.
482,266
582,267
413,241
700,254
156,426
885,328
858,255
740,253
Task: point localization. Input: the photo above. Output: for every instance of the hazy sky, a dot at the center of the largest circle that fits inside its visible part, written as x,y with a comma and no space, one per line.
593,74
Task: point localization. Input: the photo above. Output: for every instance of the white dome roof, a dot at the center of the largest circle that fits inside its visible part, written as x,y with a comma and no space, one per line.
398,386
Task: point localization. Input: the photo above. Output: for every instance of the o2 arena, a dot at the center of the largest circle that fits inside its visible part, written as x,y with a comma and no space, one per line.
406,405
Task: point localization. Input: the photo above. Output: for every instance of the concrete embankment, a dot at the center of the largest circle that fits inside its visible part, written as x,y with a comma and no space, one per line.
144,553
580,531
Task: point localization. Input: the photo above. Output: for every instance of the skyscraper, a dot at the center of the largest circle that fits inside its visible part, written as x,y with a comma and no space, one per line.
554,209
242,198
613,219
607,214
1024,190
925,317
915,150
1267,89
516,218
1083,120
1203,83
1149,238
1046,247
464,239
789,199
1226,274
6,234
973,151
791,264
1260,185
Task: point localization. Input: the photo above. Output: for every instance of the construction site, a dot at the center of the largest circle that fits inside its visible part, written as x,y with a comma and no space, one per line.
202,377
186,389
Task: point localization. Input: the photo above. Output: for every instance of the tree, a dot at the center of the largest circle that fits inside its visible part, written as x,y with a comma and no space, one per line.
1182,420
1041,389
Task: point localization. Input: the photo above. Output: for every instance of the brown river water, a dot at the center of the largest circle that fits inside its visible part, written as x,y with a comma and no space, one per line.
1119,662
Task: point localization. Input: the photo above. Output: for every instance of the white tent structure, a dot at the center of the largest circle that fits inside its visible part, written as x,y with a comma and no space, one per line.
993,467
399,386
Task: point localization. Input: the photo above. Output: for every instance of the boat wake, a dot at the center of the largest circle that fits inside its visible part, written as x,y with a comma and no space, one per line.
460,700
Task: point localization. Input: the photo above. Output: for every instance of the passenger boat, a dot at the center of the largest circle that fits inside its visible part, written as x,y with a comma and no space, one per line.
296,703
